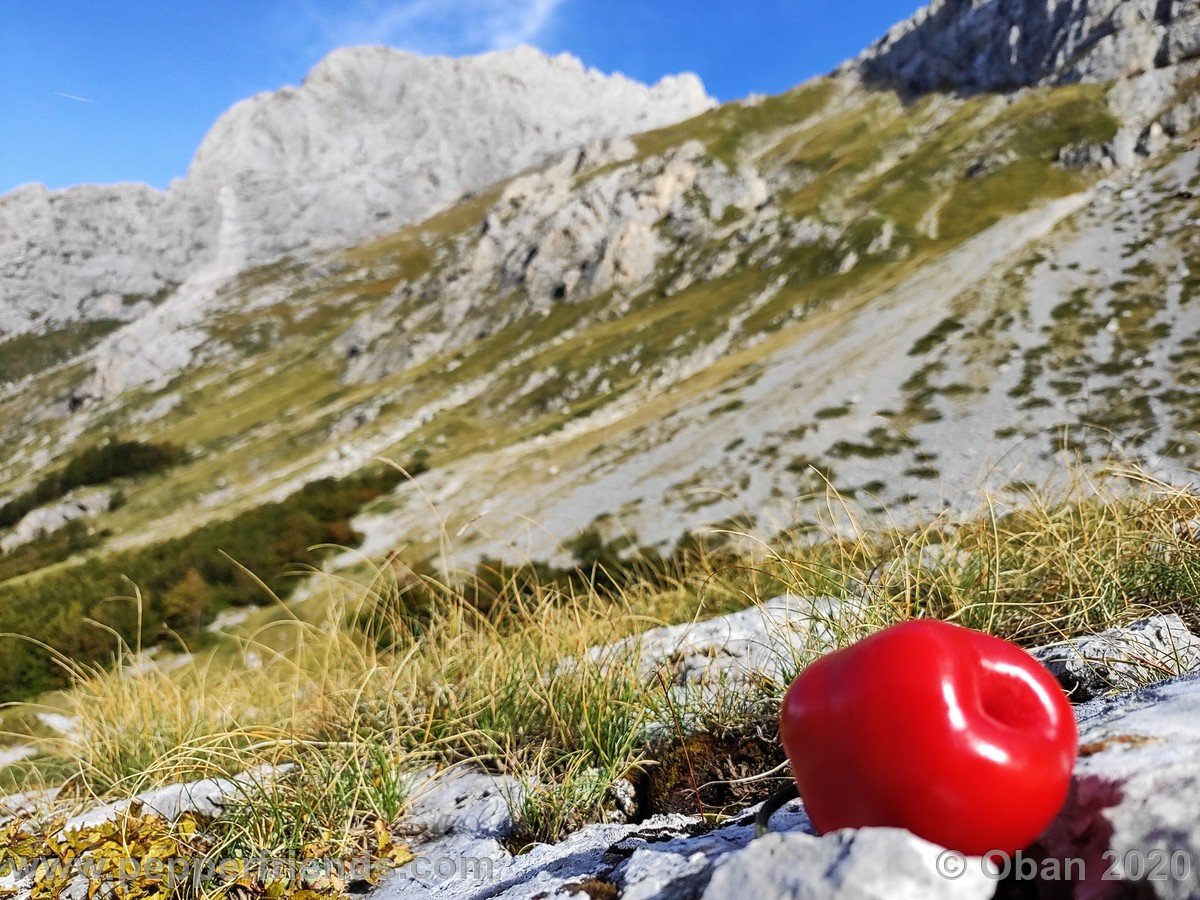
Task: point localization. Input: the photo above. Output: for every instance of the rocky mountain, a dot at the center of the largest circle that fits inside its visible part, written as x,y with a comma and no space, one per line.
372,139
985,45
876,337
940,268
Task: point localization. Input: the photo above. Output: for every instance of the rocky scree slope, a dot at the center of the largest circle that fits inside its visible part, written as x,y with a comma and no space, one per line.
372,139
903,296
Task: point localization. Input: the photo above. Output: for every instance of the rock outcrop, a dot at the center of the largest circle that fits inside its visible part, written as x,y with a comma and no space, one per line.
1132,813
550,239
372,139
768,642
56,516
987,45
1121,659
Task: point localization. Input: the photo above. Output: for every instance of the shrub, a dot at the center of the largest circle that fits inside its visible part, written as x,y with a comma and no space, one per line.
181,582
97,465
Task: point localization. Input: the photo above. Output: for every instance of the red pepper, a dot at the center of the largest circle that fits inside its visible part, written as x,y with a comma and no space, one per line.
960,737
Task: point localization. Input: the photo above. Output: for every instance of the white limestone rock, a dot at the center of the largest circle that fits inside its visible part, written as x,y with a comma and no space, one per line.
862,864
459,815
54,517
663,858
206,797
1135,791
1003,44
87,253
372,139
1121,659
769,642
27,804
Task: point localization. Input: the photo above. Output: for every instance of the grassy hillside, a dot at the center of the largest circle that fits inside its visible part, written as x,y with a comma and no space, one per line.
168,591
275,401
374,681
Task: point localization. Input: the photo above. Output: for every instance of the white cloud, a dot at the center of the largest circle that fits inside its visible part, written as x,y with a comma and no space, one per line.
431,26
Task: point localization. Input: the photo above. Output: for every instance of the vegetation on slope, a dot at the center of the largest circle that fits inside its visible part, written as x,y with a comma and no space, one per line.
869,161
101,464
170,588
852,161
29,354
378,687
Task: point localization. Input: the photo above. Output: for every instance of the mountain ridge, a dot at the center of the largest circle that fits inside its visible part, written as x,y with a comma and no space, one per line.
848,356
332,161
655,333
1007,44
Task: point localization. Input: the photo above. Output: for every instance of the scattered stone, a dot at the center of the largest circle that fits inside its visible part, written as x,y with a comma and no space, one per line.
461,803
1153,140
1121,659
56,516
1124,150
554,238
882,242
27,803
231,618
1086,155
989,164
206,797
863,864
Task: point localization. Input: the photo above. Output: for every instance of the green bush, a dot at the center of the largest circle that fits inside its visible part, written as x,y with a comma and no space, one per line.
47,550
182,581
97,465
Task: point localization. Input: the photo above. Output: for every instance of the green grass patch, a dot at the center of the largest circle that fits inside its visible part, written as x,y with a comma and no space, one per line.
725,131
28,354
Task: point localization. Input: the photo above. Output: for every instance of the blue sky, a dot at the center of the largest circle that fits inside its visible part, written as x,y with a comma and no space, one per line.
104,91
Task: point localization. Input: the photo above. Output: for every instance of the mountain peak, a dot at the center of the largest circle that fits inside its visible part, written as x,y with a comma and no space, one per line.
372,139
1002,44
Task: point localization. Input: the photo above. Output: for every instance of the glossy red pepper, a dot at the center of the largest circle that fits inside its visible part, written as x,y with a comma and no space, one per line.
960,737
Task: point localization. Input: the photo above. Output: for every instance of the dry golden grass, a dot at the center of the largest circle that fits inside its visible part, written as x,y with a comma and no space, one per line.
383,686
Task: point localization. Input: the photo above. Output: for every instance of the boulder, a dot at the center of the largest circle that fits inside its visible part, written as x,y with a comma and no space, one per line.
862,864
770,642
1132,812
1124,658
